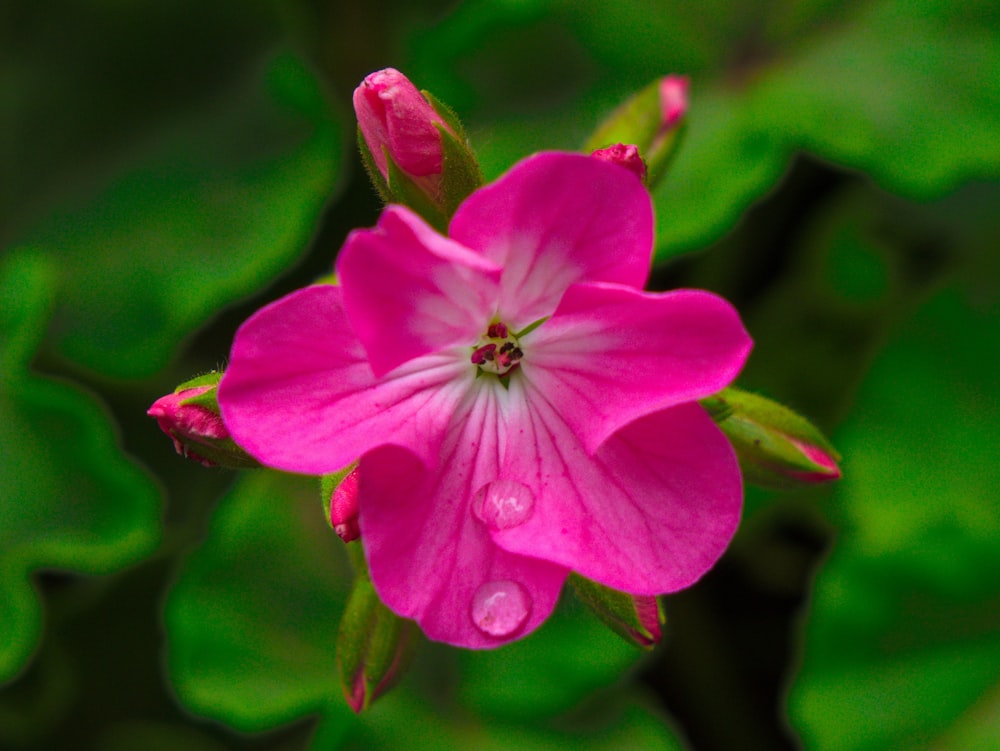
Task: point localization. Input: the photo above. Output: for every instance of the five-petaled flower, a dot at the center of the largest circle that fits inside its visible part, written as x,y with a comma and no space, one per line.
520,406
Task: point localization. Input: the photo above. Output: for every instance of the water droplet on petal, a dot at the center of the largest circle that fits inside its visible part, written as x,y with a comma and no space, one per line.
503,504
500,608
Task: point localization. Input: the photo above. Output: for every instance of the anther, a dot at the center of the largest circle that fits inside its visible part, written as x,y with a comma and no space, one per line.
484,354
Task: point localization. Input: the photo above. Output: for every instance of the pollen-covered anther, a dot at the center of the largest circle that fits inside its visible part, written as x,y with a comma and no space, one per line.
498,351
484,354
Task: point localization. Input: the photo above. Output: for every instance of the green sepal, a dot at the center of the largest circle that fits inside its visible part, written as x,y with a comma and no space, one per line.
717,407
762,432
210,378
331,279
374,174
460,173
374,645
225,453
623,613
635,121
447,114
662,153
405,190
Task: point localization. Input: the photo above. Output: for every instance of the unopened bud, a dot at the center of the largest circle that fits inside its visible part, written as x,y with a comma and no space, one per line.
374,645
624,155
673,101
636,618
190,416
414,147
653,120
776,447
340,495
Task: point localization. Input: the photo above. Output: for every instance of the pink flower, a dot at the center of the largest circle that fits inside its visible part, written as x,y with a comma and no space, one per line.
395,117
520,406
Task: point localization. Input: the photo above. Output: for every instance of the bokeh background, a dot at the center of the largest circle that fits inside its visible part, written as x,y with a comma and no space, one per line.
167,168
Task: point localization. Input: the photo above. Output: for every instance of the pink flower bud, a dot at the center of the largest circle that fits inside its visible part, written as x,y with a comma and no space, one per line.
395,117
651,119
190,416
374,646
776,447
636,618
344,508
188,425
673,100
624,155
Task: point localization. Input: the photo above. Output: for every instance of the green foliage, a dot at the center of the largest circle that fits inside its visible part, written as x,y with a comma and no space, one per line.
68,498
902,639
898,89
836,180
222,201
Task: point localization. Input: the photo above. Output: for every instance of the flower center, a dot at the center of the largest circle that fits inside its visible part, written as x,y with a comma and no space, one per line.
498,351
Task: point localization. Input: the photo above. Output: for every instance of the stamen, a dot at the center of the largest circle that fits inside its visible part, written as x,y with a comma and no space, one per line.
497,352
484,354
497,330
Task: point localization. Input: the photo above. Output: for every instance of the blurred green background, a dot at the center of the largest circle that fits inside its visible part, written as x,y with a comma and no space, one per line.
165,169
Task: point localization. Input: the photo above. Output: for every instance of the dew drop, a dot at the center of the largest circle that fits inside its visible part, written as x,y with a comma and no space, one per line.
500,608
503,504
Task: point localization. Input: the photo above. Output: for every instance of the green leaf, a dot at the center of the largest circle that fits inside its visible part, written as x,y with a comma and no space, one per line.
70,499
903,641
901,90
902,93
252,619
552,670
402,722
218,205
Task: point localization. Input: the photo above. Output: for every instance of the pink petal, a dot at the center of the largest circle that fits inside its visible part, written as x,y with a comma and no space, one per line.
649,513
299,394
555,219
408,291
611,354
431,557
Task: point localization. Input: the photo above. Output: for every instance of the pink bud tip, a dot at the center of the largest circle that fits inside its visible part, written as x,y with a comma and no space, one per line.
673,100
648,611
344,508
816,455
394,115
624,155
356,696
188,424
